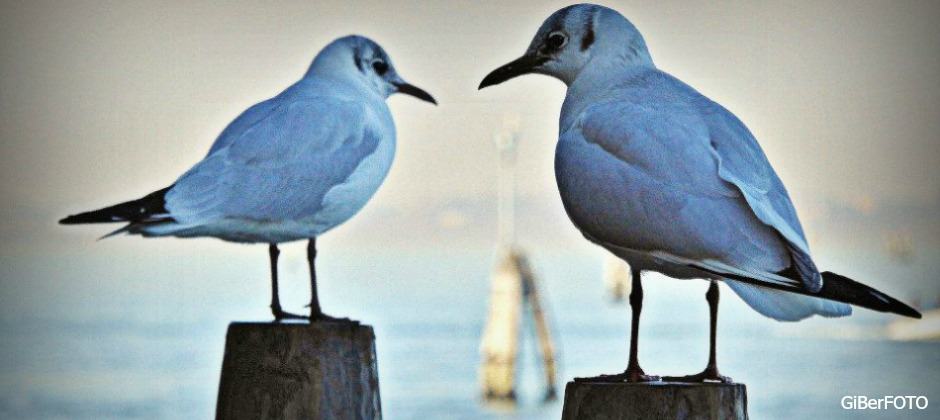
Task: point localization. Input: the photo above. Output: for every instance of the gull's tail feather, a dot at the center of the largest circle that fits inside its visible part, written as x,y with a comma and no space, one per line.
123,229
151,206
783,306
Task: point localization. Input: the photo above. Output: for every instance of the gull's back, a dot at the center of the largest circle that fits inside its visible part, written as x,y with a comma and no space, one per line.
305,89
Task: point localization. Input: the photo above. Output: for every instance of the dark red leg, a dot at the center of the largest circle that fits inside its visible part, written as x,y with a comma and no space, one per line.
711,370
279,314
634,372
316,313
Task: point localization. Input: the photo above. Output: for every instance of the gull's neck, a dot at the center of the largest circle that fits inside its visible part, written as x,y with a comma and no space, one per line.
619,53
337,65
596,81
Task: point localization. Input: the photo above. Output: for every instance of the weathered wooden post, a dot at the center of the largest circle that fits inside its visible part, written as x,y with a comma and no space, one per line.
514,291
323,370
654,400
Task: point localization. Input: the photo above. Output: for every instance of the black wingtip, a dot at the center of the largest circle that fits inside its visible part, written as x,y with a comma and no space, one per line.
77,219
128,211
844,289
104,215
72,219
906,310
835,287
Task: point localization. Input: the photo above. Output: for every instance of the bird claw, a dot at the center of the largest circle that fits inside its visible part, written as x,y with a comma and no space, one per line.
708,375
280,315
631,375
322,317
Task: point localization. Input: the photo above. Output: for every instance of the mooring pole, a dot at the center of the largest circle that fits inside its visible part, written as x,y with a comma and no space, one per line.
323,370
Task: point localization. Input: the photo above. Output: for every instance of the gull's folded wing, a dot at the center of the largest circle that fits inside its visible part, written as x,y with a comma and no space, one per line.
243,122
280,167
742,163
706,188
693,147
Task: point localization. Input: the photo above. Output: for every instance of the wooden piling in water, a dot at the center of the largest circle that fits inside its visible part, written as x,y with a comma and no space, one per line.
655,400
324,370
501,333
514,290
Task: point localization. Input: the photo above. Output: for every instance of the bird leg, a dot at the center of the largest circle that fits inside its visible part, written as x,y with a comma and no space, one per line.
711,370
316,313
276,310
634,372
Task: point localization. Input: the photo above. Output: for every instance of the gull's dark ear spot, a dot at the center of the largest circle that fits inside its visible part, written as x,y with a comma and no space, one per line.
588,35
356,59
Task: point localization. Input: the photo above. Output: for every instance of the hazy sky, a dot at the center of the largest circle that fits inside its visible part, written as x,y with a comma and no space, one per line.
105,101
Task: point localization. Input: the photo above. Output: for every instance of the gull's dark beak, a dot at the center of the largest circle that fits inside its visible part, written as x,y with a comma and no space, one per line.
409,89
522,65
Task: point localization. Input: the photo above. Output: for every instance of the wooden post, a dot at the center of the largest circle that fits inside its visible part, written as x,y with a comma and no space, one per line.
531,292
654,400
501,333
513,285
324,370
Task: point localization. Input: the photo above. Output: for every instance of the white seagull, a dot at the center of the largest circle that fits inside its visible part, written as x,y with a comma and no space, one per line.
672,182
289,168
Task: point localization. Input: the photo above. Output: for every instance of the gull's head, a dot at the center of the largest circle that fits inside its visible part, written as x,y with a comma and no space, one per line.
574,38
360,60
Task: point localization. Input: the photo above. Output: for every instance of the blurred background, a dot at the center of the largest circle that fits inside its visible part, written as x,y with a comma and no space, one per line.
102,101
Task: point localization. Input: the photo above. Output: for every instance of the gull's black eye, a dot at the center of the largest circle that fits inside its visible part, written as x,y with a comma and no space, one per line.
556,40
380,67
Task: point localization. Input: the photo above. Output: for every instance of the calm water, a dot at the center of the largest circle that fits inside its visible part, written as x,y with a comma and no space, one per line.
83,339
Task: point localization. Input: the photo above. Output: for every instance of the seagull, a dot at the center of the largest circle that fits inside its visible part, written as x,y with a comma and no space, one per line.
672,182
289,168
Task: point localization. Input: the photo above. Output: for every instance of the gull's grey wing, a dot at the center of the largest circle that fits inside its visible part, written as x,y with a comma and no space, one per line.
250,117
742,162
722,204
280,167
